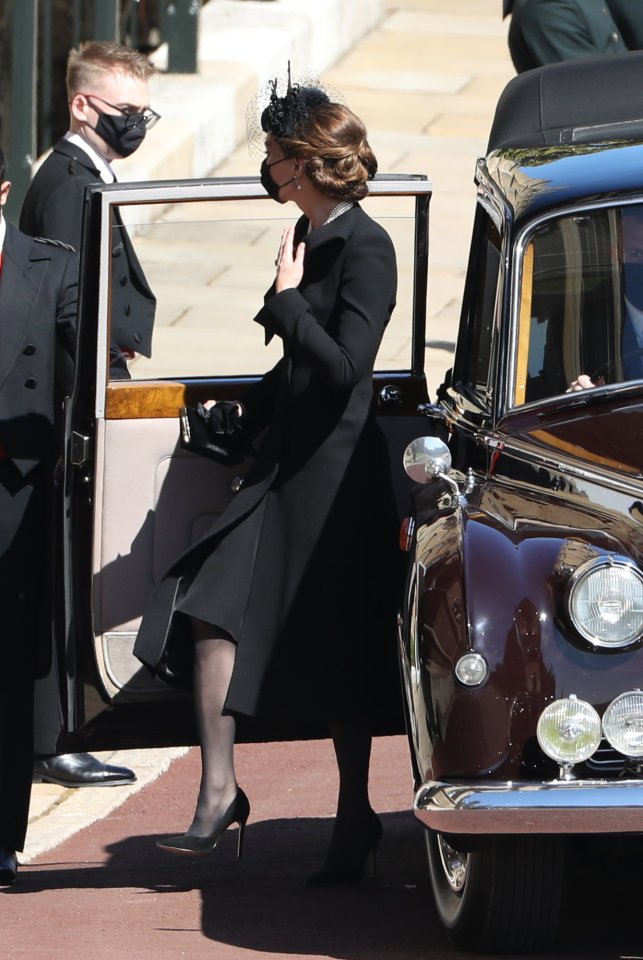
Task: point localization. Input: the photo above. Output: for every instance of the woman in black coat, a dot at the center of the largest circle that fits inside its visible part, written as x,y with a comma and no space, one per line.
290,597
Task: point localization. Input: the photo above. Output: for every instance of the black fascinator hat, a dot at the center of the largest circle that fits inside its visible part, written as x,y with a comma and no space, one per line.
283,108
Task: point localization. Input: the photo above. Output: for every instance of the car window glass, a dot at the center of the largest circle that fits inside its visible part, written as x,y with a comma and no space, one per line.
209,264
582,278
472,369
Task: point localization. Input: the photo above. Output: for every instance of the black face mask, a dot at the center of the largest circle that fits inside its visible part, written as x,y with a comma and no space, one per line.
123,133
267,182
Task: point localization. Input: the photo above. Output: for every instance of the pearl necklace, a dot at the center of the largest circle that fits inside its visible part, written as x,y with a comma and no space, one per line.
337,211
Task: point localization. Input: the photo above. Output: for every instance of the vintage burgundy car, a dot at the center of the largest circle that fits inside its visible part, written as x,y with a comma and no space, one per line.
521,633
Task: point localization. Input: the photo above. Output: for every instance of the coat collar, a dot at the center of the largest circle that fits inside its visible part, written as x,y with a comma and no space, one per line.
339,229
76,155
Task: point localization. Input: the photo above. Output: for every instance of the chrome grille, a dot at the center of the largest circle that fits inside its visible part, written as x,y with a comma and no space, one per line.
606,762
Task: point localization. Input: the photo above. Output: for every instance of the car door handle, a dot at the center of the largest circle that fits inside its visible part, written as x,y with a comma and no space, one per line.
390,396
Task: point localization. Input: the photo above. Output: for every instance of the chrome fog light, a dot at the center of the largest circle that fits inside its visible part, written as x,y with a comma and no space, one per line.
623,723
569,730
471,669
606,601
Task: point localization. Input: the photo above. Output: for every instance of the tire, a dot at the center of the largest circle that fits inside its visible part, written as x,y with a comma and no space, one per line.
505,897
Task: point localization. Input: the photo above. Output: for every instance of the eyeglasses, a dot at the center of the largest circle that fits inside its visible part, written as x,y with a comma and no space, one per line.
135,117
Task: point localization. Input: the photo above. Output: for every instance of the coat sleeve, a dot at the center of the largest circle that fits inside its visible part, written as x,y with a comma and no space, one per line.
364,301
563,29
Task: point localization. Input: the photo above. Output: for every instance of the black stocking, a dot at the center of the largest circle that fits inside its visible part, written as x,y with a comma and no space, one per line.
214,654
352,743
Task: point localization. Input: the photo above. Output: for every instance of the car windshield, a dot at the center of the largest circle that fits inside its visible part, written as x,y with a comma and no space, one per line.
581,303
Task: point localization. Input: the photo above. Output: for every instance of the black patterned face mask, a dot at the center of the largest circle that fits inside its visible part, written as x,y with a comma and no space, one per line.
268,182
124,134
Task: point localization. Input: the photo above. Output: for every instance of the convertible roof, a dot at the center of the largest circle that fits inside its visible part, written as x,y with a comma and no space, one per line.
577,101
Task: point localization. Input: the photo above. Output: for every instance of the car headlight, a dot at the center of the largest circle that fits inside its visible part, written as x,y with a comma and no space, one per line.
606,601
569,730
623,723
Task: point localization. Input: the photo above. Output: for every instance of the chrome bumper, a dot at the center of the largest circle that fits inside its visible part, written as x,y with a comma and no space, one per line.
554,806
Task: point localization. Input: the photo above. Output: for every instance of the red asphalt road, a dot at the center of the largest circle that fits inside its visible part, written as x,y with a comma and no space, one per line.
108,892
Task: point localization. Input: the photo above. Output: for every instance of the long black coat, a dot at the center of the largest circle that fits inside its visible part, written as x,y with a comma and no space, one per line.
301,569
53,207
38,293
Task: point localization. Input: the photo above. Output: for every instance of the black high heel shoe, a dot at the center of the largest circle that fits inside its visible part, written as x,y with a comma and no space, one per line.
185,843
348,861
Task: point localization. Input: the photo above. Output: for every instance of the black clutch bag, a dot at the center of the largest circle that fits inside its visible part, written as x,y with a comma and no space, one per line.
214,433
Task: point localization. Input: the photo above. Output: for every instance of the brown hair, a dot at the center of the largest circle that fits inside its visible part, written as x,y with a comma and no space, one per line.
337,155
104,56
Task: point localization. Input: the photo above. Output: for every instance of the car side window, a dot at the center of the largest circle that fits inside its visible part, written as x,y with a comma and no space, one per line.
473,362
580,309
189,277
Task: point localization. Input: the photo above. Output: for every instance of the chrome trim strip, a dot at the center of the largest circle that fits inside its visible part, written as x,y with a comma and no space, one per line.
554,806
247,188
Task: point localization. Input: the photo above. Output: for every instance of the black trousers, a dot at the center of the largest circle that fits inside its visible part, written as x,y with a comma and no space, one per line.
24,603
16,741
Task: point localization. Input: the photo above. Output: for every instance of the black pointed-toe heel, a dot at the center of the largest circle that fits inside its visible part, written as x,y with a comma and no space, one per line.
348,862
188,845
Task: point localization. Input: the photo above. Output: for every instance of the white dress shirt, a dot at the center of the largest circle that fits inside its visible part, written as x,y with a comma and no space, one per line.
107,175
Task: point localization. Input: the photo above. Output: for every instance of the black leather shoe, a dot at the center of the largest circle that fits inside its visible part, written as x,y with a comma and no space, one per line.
8,867
80,770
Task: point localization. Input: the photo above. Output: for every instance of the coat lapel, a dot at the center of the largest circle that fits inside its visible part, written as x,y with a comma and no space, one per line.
20,283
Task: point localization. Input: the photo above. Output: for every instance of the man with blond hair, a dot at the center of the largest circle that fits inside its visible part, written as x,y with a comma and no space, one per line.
109,115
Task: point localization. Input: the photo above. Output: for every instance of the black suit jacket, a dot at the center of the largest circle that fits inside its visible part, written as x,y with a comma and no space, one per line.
38,295
53,207
38,292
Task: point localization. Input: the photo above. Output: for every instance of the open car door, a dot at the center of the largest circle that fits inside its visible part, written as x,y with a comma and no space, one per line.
133,499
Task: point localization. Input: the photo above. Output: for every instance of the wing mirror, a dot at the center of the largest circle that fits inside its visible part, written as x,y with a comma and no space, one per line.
426,458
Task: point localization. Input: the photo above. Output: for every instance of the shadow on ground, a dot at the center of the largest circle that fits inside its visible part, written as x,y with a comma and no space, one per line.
261,903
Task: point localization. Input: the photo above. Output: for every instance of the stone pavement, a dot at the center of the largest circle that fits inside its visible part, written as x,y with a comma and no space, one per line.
425,81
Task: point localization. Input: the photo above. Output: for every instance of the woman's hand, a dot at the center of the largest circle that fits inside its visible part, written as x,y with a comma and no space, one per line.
289,262
582,383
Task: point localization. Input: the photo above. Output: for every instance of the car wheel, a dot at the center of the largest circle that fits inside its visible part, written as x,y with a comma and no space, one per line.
504,897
